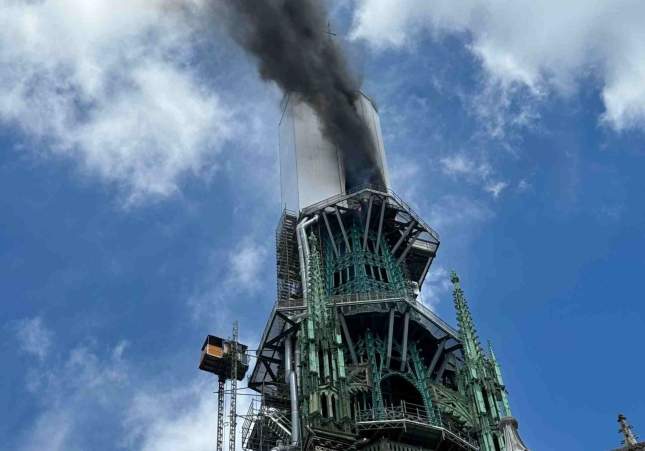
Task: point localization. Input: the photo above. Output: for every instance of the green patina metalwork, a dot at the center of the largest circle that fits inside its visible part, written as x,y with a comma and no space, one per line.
480,378
332,394
374,350
375,368
504,405
453,403
324,385
420,373
360,270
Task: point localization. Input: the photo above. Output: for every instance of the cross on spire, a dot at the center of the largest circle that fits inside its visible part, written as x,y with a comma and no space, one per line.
329,32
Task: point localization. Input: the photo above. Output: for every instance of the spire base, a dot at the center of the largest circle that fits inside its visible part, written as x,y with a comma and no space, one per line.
512,440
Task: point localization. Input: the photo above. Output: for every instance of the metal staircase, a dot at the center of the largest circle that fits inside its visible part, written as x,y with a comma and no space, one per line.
264,427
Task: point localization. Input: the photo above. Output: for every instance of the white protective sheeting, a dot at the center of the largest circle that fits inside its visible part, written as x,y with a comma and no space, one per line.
311,167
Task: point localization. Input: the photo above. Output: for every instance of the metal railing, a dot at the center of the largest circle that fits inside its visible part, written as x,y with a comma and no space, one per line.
369,296
404,411
412,413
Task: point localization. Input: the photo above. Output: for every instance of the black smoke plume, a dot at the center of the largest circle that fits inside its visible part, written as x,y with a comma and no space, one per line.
289,38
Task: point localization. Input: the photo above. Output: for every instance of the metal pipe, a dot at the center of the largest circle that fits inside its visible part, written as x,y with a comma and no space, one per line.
297,362
303,252
287,358
293,392
404,351
295,417
390,330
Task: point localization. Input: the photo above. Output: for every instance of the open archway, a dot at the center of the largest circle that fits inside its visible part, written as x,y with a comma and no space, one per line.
396,390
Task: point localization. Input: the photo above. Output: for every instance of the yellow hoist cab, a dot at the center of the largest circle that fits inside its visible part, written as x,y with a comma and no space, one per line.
218,358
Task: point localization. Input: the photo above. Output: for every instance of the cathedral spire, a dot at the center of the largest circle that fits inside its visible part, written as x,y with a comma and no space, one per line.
472,347
626,430
483,378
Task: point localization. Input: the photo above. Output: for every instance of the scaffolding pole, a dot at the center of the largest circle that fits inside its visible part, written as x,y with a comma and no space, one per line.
220,413
233,413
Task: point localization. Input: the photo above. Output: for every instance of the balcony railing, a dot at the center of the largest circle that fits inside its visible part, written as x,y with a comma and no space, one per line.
405,412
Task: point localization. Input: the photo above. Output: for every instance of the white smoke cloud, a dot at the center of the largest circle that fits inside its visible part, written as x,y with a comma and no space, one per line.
543,46
109,84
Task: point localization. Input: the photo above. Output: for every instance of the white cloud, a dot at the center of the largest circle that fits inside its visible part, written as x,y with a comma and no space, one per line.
404,173
436,286
50,431
502,109
245,271
110,84
90,385
33,337
181,418
247,262
460,164
73,390
452,211
496,188
523,185
539,45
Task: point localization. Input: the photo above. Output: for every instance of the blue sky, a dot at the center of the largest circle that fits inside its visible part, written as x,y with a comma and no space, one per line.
139,196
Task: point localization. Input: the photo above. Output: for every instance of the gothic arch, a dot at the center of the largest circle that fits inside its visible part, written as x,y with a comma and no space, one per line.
397,388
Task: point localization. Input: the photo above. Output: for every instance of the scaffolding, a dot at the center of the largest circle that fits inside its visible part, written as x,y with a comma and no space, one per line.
233,410
289,286
265,427
220,413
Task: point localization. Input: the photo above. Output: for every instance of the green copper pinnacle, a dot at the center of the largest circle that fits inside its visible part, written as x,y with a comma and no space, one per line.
481,376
